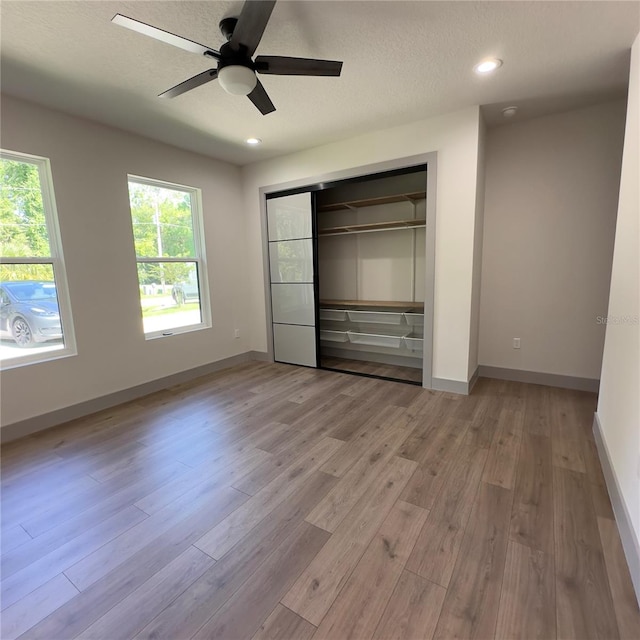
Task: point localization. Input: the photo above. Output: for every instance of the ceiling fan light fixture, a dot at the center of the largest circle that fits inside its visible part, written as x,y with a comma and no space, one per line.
237,79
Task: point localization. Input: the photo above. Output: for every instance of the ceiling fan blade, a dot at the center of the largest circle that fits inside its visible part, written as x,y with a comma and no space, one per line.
163,36
191,83
251,24
284,66
260,98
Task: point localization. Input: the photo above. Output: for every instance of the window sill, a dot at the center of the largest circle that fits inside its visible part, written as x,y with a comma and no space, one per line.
168,333
36,358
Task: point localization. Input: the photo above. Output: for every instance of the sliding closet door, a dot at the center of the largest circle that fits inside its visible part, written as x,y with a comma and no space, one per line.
293,313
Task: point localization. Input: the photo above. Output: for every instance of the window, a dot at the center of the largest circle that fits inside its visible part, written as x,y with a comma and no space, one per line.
167,232
35,314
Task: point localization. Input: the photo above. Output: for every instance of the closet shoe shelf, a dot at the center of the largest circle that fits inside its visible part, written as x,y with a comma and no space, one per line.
391,324
376,339
329,335
333,314
414,319
414,344
376,317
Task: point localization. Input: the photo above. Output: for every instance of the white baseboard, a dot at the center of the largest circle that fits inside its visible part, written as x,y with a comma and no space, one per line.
536,377
628,536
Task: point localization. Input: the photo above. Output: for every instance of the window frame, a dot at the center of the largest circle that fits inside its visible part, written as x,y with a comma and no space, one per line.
55,259
200,257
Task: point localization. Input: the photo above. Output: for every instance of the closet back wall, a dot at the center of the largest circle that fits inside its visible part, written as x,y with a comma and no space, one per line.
90,163
550,217
374,266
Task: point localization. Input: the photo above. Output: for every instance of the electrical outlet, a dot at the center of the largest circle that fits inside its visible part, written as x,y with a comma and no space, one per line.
236,333
516,343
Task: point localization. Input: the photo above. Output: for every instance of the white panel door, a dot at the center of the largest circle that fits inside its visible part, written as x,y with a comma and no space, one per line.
289,217
294,344
291,277
291,260
293,304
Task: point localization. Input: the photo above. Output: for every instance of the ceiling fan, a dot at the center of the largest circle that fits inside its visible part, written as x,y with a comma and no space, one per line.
236,70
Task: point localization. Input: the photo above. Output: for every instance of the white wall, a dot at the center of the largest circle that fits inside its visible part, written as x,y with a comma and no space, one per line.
478,233
549,223
619,401
90,163
455,138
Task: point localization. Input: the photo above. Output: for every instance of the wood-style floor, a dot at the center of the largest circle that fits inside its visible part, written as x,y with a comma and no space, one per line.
396,372
270,501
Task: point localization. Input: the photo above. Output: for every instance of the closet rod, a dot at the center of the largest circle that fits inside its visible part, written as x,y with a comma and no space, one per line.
345,233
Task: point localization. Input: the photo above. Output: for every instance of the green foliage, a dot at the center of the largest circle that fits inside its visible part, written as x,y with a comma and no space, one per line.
14,272
162,227
23,229
169,272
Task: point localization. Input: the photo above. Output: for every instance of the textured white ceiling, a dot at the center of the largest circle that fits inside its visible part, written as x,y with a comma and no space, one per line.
403,61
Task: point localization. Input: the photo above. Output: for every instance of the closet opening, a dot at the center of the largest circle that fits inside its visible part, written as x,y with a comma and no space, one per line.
370,235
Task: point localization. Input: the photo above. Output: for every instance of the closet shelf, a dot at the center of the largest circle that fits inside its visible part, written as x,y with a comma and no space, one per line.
369,202
376,317
400,339
416,307
414,344
372,226
376,339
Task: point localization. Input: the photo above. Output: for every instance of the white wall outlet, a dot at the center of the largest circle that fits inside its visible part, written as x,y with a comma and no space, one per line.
516,343
236,333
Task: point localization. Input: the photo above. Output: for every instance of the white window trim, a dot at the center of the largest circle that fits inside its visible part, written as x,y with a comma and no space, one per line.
200,258
56,259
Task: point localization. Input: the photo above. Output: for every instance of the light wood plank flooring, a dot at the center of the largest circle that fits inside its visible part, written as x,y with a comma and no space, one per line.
276,502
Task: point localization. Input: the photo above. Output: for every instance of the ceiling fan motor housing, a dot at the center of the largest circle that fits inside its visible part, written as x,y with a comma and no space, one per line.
229,56
227,27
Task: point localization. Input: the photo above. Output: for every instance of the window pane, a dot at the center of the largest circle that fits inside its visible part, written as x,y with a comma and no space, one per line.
23,229
162,221
29,314
169,295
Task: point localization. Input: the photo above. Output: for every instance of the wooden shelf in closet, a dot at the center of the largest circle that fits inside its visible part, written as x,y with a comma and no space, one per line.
417,307
372,226
369,202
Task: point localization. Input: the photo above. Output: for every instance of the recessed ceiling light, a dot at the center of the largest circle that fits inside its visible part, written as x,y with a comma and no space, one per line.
253,141
487,66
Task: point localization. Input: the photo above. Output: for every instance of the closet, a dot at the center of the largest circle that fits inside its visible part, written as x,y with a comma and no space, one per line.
371,268
347,269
